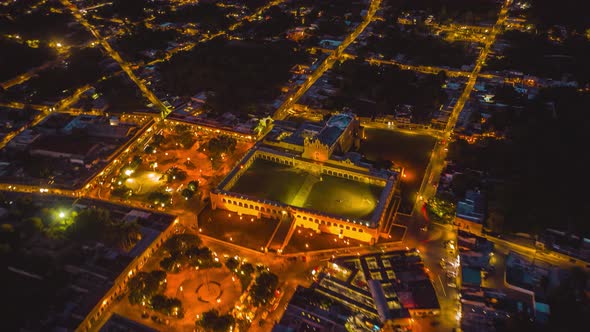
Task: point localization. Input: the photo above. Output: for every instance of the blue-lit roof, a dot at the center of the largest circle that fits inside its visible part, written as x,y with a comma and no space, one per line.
334,128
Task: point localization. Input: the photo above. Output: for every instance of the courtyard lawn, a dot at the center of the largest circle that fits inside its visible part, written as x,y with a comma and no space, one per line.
343,197
268,180
330,194
409,151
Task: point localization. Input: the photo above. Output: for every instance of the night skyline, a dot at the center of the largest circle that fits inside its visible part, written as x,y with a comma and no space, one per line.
294,165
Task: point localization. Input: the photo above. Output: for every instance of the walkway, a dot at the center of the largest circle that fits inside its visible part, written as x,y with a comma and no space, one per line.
285,226
305,190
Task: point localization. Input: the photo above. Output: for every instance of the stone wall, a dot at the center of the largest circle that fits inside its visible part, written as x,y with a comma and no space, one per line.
307,218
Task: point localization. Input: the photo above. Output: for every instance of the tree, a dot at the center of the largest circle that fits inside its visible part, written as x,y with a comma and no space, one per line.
169,306
187,193
135,163
7,233
441,209
175,174
158,197
232,263
212,321
123,235
200,257
221,144
122,191
90,224
144,285
506,94
171,264
157,139
383,163
263,288
193,186
210,67
463,182
186,139
570,304
149,149
247,268
23,207
181,242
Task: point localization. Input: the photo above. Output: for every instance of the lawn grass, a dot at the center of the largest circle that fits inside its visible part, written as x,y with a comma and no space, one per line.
330,194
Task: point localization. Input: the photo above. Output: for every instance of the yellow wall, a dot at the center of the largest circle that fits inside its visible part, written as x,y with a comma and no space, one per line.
316,221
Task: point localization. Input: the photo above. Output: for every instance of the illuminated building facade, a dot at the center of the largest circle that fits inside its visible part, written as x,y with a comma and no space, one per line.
334,191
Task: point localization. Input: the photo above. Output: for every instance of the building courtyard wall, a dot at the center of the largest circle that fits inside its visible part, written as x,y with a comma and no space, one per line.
314,157
362,230
315,220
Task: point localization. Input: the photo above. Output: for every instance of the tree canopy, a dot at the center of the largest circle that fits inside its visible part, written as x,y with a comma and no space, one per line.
144,285
181,242
264,287
212,321
97,225
239,73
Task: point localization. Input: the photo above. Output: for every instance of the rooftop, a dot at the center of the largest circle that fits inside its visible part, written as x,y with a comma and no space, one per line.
75,145
295,133
381,286
117,323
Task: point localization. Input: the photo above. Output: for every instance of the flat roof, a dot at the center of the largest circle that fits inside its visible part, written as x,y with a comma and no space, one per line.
377,275
80,145
334,128
117,323
470,276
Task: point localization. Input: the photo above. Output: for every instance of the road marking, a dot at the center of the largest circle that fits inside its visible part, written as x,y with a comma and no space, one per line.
443,286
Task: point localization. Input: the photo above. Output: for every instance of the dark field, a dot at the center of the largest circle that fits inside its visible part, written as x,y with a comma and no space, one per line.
412,152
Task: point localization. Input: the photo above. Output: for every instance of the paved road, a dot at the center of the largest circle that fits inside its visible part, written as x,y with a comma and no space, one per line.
437,162
430,244
115,56
282,112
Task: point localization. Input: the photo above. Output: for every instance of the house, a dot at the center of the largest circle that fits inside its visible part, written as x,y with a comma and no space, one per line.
470,212
77,151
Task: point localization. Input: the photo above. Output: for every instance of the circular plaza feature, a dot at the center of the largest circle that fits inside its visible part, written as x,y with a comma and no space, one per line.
209,292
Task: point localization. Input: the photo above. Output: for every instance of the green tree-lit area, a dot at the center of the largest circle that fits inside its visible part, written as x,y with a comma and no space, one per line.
264,288
64,223
213,321
241,269
43,238
184,251
146,288
441,209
